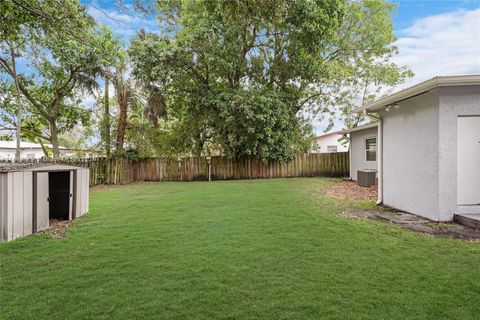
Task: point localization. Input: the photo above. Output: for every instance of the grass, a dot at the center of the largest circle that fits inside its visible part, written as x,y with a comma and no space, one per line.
265,249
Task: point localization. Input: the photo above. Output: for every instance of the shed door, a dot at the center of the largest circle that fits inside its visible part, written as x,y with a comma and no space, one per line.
42,206
70,202
80,192
468,160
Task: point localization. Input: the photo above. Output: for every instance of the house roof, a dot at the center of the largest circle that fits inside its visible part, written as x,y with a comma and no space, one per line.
328,134
32,166
423,87
364,127
24,145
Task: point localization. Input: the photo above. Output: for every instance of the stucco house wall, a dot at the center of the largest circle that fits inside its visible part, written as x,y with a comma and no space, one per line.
410,156
453,102
28,150
358,159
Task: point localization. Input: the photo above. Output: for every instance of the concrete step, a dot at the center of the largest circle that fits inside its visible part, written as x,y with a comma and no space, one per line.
468,219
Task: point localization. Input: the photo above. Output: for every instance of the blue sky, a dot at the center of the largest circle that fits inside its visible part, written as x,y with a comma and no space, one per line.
410,10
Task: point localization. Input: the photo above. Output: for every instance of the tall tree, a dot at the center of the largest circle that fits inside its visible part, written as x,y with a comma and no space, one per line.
125,95
106,118
240,74
65,50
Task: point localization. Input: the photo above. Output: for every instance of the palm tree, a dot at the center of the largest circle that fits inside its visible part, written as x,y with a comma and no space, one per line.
128,95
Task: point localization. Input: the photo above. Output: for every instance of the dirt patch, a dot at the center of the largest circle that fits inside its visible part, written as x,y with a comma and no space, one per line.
358,214
351,190
58,228
416,223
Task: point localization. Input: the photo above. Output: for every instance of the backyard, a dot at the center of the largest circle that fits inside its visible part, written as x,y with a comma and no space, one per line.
251,249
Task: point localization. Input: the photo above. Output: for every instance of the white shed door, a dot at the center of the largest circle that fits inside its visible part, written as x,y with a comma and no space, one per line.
468,160
70,199
42,207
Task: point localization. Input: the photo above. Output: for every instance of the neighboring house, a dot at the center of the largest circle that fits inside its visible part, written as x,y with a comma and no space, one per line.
426,147
329,142
363,148
28,150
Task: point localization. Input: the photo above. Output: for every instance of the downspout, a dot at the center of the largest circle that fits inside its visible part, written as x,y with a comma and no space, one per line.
380,160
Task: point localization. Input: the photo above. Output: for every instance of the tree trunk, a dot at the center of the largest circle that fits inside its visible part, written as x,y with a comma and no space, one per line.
45,151
106,120
19,104
54,137
122,123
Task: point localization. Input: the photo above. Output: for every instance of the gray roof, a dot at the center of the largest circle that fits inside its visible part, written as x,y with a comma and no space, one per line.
24,166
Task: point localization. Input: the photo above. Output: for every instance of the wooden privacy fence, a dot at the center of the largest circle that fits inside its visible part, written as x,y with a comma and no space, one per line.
123,171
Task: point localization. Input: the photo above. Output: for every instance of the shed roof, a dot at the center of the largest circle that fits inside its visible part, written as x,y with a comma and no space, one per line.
40,166
446,81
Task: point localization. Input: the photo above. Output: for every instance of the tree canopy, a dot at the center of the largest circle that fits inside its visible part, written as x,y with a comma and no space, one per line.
240,75
64,51
239,78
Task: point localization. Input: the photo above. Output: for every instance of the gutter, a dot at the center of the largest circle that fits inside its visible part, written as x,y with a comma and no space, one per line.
380,161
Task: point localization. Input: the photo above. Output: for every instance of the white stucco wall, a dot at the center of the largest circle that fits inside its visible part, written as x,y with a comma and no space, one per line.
7,151
9,154
322,143
453,102
410,156
358,152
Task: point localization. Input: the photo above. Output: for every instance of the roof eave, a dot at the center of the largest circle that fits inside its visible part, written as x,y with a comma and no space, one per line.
418,89
364,127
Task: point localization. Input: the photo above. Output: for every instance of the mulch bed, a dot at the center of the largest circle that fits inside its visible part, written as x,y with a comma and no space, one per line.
351,190
58,228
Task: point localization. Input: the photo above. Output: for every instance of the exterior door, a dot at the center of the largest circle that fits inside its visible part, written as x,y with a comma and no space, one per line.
468,160
42,205
70,199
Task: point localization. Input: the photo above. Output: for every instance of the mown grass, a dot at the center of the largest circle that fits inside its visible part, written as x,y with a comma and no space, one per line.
265,249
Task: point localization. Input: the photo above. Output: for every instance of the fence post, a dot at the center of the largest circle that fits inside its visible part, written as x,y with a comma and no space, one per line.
209,160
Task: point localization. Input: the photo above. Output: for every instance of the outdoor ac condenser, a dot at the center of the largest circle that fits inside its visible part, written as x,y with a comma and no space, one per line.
366,177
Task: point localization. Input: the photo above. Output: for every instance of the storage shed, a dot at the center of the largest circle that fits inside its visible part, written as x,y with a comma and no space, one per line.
32,194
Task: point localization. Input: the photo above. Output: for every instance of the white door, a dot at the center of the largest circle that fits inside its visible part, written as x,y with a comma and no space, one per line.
468,160
42,207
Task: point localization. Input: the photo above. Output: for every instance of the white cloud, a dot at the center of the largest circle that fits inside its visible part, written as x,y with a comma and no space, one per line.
439,45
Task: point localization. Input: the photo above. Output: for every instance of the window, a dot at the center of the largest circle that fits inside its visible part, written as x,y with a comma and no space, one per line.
331,148
371,149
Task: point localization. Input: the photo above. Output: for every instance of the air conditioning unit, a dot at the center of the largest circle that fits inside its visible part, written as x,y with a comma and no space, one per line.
366,177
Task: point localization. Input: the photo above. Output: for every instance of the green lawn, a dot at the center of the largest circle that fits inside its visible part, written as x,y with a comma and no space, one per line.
264,249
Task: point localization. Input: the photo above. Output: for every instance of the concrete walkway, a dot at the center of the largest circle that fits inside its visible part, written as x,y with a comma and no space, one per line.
418,224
